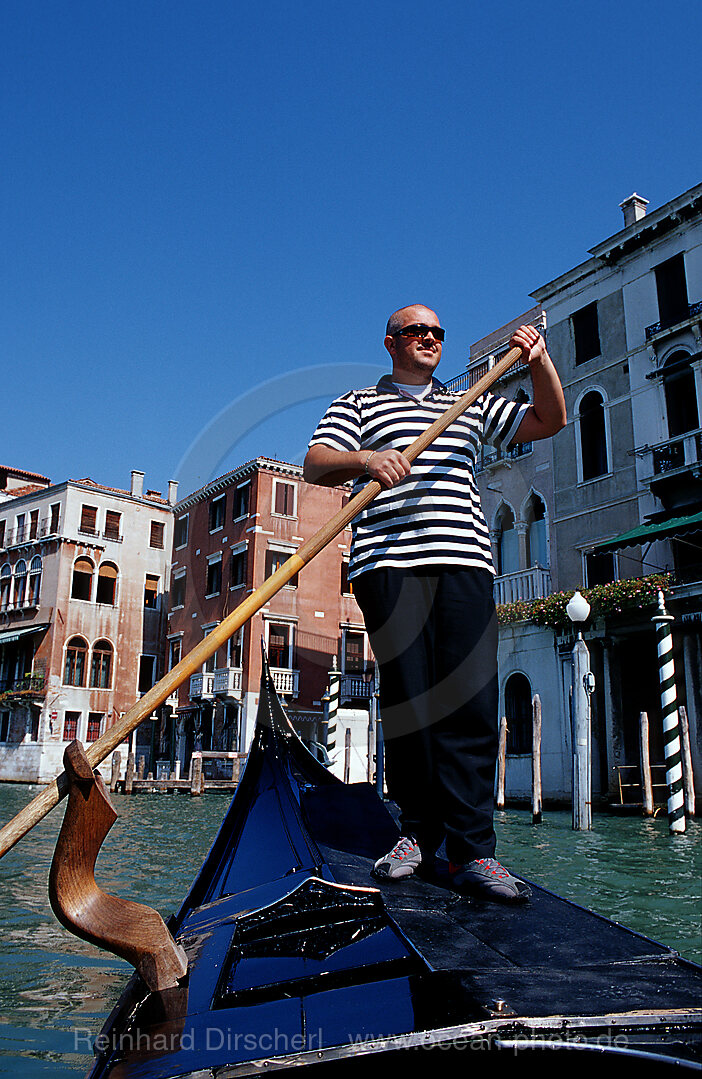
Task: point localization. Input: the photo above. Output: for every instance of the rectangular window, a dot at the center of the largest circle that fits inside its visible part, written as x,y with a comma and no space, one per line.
88,520
4,726
94,723
54,521
671,285
3,525
599,568
33,524
214,577
586,331
112,525
180,531
283,498
20,536
280,644
174,650
241,501
235,646
178,590
217,508
353,652
156,535
238,576
274,560
147,673
151,592
346,585
70,726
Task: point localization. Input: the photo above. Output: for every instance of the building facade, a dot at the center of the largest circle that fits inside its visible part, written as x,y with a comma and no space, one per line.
228,538
83,573
615,496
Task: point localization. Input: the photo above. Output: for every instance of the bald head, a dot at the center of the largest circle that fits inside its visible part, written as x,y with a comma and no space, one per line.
406,316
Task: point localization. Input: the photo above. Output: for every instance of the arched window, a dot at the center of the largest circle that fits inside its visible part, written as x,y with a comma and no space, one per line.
82,584
519,714
76,662
107,583
5,586
535,516
507,542
34,581
20,593
593,435
680,394
101,665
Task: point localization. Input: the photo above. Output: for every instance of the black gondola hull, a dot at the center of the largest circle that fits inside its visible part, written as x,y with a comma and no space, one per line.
298,959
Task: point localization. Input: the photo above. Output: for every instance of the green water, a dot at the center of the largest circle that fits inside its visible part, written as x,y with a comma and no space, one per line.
56,990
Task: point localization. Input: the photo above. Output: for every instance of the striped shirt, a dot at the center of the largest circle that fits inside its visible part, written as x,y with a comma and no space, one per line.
433,516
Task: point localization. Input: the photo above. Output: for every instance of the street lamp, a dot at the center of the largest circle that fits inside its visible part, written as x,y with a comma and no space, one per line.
583,686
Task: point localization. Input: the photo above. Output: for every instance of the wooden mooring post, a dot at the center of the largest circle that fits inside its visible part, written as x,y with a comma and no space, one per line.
501,764
645,757
347,755
116,765
686,756
129,777
196,775
536,802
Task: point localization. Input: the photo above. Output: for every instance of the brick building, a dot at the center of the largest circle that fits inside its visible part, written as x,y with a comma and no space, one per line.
229,536
83,569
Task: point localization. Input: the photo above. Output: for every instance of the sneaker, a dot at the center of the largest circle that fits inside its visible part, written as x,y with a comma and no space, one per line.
485,877
402,861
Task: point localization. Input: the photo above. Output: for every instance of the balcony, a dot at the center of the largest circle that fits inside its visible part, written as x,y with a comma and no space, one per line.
675,475
694,310
356,686
682,452
202,686
286,681
227,682
29,686
525,584
29,533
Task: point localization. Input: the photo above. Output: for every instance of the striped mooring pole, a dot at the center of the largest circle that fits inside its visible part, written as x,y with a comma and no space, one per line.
333,707
671,722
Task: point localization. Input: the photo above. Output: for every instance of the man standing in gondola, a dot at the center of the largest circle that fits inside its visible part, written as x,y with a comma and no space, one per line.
422,574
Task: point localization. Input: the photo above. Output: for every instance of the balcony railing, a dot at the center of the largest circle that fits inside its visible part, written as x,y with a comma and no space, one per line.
33,683
355,685
29,533
525,584
693,309
286,681
227,682
684,451
202,686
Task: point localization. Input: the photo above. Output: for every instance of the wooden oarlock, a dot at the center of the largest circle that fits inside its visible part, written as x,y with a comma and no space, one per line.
131,930
97,751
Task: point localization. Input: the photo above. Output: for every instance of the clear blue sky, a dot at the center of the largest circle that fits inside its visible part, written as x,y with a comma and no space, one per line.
199,198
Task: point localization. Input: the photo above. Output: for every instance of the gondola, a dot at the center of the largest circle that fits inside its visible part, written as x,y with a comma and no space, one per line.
298,959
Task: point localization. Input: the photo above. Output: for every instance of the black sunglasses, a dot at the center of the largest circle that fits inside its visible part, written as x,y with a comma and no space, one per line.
421,330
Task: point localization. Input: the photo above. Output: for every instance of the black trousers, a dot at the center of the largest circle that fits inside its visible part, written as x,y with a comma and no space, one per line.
434,635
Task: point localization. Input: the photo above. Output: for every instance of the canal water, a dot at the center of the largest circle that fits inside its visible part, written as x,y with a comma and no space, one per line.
56,990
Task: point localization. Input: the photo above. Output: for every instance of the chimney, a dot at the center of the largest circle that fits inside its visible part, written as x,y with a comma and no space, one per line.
633,208
137,488
172,492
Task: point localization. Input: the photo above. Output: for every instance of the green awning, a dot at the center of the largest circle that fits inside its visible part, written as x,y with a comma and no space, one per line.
674,526
11,635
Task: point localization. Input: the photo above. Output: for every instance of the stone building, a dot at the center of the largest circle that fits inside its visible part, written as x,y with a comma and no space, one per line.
229,536
626,326
621,487
83,571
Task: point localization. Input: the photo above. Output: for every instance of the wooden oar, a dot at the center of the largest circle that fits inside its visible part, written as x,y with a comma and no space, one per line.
192,663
